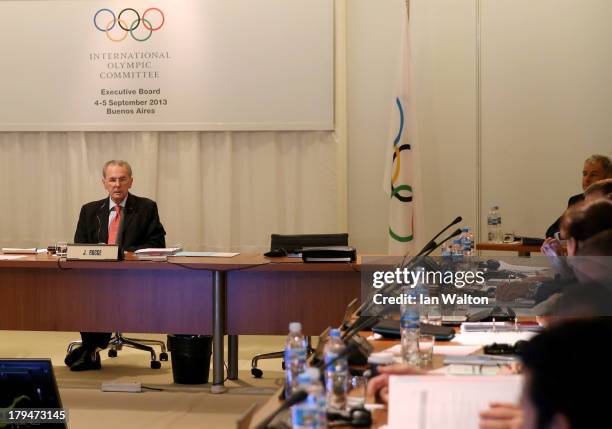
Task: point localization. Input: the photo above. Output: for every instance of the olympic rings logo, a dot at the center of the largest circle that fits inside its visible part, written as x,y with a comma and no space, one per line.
155,15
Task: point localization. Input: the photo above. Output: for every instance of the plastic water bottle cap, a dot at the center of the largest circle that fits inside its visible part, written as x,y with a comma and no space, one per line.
313,373
334,333
295,327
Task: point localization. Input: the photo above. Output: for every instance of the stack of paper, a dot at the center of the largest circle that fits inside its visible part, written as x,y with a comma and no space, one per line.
396,350
498,327
485,338
11,257
21,251
446,401
160,254
166,251
207,254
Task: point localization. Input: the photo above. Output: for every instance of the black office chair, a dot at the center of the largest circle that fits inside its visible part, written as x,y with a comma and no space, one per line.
118,341
291,244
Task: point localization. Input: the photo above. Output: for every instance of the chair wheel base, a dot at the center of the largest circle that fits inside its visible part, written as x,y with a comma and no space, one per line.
256,372
112,353
155,364
163,357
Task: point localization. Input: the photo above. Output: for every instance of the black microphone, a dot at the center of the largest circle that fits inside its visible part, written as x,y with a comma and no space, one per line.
428,246
295,398
431,244
436,245
364,322
99,227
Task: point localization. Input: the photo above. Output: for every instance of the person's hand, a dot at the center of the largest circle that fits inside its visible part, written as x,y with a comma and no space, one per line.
379,385
552,247
501,416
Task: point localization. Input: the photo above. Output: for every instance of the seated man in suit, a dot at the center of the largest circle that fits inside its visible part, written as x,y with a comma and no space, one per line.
596,167
121,218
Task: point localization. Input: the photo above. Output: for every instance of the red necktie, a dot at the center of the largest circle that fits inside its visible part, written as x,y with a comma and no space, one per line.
113,229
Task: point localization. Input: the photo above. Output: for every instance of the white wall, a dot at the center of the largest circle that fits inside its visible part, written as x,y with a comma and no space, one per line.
541,78
546,103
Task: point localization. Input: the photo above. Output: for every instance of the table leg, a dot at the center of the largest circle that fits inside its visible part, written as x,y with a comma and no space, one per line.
219,296
232,357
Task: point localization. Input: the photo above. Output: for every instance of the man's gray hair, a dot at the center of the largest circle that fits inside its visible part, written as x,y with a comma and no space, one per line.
117,162
604,161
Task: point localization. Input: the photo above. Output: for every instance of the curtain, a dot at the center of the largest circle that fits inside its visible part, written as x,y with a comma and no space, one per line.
215,190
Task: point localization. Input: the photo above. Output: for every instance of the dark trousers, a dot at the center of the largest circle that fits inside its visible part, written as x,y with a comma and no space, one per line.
91,340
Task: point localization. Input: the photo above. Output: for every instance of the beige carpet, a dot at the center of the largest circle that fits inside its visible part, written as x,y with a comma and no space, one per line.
178,406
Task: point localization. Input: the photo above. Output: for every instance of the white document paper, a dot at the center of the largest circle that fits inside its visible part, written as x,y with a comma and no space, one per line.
440,350
208,254
484,338
11,257
434,402
167,251
19,250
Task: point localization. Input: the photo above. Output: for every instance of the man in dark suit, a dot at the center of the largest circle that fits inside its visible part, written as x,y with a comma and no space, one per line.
124,219
596,168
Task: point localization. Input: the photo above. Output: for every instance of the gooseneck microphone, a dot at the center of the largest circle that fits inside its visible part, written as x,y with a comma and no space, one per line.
99,221
454,222
99,227
364,322
435,245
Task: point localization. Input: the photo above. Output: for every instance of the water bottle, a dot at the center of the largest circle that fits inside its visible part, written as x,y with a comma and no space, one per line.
421,293
336,374
467,241
457,251
295,356
494,225
305,414
316,394
410,327
446,252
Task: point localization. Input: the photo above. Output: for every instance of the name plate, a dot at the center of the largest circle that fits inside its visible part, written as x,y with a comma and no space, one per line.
93,252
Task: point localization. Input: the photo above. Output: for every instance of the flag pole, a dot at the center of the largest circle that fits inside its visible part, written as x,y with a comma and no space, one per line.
408,10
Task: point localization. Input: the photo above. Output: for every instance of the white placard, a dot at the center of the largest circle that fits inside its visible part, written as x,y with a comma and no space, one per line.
182,65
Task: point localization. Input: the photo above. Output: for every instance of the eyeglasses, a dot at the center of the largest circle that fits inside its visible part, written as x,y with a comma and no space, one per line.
559,239
120,180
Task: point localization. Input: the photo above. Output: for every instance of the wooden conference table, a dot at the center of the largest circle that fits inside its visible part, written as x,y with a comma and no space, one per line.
522,249
243,295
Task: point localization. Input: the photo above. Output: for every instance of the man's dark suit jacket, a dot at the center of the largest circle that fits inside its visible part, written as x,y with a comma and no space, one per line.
140,229
550,232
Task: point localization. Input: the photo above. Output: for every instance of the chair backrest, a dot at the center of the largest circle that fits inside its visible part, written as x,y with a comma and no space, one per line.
294,243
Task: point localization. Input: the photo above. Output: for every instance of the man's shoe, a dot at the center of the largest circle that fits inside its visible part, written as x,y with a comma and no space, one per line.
75,355
88,361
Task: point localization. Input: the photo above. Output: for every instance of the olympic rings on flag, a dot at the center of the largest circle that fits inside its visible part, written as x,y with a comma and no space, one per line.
117,20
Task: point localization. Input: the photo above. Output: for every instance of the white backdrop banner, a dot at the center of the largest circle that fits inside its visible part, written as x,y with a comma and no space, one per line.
148,65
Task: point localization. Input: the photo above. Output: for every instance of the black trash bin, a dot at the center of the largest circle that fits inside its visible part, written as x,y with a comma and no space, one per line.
190,358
